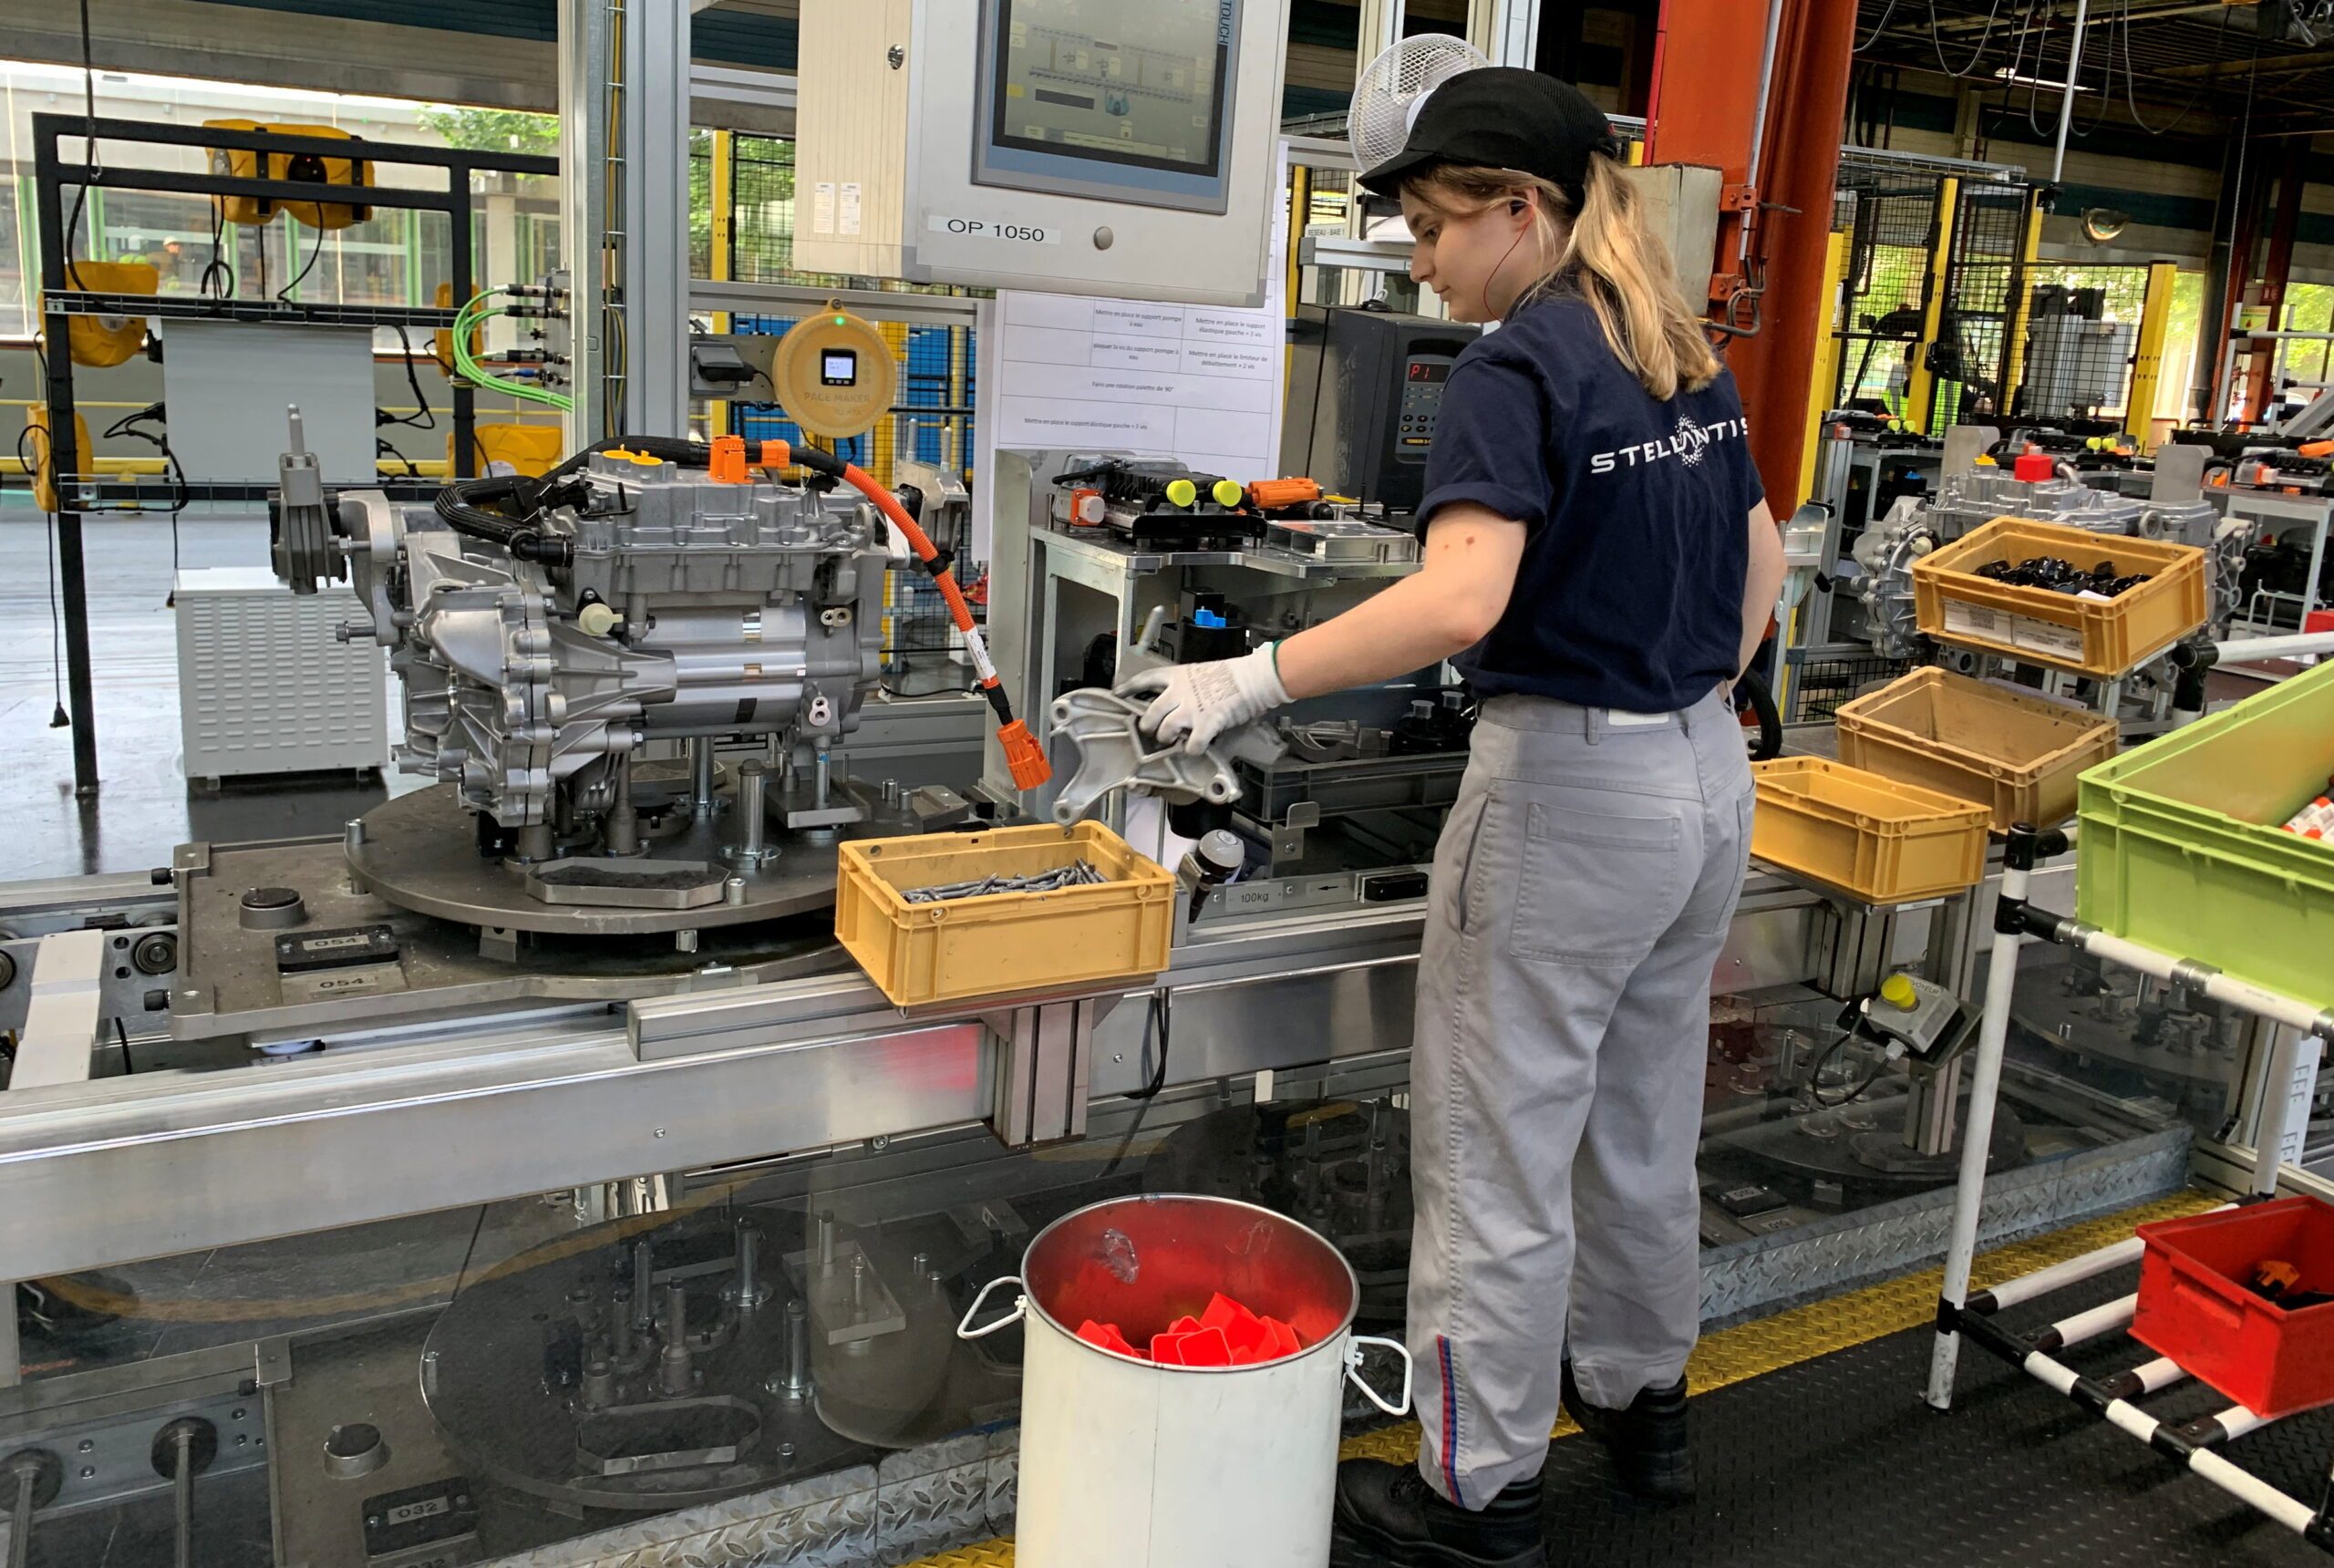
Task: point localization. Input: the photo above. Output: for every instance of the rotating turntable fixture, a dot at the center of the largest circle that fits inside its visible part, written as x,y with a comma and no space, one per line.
709,1357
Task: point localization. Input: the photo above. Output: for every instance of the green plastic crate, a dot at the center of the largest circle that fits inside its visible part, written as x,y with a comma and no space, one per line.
2173,852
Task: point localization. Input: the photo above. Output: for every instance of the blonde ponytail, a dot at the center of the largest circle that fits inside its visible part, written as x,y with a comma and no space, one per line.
1610,259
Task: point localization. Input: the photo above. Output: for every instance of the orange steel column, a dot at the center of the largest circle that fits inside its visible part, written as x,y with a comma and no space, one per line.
1704,99
1706,78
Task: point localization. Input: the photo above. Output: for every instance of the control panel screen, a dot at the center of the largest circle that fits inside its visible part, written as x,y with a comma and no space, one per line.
1432,372
1113,82
838,368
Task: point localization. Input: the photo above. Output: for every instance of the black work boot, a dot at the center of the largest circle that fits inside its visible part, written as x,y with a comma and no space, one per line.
1391,1509
1647,1441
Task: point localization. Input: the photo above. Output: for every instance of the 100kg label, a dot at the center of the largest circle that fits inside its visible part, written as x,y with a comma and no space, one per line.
988,229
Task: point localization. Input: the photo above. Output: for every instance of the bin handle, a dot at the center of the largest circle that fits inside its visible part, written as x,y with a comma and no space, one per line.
966,1330
1353,1372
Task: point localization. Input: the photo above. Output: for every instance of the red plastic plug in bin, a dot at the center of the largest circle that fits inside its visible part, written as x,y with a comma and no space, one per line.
1226,1335
1106,1335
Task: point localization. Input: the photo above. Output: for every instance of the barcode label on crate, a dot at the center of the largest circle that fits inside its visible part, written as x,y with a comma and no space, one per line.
2041,637
2061,643
1974,621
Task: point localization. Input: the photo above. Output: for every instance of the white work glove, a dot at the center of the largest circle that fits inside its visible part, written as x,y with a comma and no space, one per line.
1200,704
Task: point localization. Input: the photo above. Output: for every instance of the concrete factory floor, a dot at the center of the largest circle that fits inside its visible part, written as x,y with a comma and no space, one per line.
143,809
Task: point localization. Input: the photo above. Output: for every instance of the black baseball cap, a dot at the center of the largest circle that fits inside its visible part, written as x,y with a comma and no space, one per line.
1499,116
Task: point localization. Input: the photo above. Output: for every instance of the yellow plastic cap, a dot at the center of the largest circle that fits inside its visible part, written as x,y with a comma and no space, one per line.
1898,993
1226,492
597,620
1181,492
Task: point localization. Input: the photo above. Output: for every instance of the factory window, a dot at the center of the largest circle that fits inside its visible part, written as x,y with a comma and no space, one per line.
700,203
16,256
2122,298
397,257
2114,295
2309,307
762,197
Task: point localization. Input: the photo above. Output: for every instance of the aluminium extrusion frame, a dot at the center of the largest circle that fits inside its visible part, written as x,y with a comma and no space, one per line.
2112,1397
77,494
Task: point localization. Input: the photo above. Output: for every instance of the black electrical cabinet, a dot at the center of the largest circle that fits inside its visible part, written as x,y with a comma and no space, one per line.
1365,391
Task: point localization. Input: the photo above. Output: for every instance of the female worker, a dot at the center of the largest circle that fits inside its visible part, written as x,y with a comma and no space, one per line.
1600,564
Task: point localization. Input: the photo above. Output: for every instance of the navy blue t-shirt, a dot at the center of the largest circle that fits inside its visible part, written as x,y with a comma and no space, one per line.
1629,593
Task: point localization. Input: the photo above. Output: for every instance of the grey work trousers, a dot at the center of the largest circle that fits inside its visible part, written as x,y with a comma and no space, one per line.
1581,893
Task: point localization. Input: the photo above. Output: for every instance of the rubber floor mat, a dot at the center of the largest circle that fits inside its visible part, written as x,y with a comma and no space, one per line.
1837,1461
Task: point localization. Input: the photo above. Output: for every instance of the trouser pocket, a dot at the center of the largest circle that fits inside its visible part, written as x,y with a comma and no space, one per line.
1599,877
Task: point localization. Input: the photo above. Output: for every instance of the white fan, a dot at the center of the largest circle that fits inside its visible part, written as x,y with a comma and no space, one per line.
1394,89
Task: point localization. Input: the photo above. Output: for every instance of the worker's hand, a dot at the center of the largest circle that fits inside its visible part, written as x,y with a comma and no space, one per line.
1199,704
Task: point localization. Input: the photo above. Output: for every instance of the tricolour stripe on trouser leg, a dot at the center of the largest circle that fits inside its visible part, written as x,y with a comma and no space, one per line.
1450,1424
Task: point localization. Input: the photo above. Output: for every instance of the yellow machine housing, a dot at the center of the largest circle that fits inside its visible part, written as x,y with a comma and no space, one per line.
242,163
44,466
103,340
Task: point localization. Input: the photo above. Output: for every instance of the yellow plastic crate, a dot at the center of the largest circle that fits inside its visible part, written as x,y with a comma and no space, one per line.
2017,754
2104,638
1883,842
1006,943
531,449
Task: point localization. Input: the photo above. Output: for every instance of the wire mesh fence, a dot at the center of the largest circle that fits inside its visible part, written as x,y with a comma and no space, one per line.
761,213
923,652
1823,683
1984,281
1891,221
931,419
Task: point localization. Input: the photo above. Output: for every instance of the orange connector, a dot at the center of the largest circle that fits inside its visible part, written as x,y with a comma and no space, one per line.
726,464
2275,1277
1273,494
1024,756
777,454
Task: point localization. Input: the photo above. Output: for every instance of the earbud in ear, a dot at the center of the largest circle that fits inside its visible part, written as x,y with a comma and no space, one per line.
1517,206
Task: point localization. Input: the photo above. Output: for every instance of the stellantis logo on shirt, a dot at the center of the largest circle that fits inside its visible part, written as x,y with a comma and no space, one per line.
1689,445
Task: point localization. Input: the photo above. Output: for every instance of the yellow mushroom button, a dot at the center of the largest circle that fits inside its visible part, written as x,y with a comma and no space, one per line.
1898,993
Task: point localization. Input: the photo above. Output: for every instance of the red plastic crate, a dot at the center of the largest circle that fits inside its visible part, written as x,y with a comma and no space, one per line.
2195,1305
